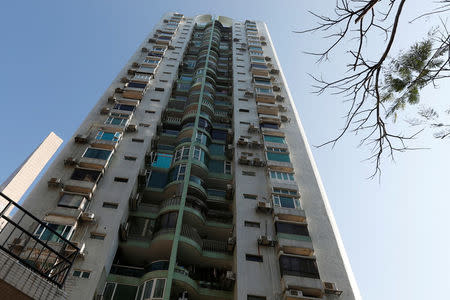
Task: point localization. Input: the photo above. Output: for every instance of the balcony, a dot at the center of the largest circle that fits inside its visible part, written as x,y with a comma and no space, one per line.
308,286
289,214
50,260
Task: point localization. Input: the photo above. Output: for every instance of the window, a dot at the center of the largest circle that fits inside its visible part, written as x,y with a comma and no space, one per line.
251,224
261,90
287,202
43,233
124,107
178,172
244,110
251,297
168,220
252,257
108,136
117,119
150,111
218,134
281,157
113,205
153,289
150,70
139,76
298,266
72,201
269,125
292,228
250,196
228,167
274,139
127,157
120,179
97,153
159,89
241,80
244,123
85,175
144,125
216,149
118,291
273,149
281,176
98,235
243,99
181,153
137,140
248,173
162,160
199,154
81,274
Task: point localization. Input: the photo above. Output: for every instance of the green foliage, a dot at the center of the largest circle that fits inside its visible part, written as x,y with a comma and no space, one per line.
408,74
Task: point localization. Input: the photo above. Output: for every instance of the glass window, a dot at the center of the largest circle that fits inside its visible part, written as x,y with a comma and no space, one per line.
199,154
298,266
147,69
274,139
282,176
219,134
278,157
85,175
216,166
292,228
181,153
273,149
124,107
269,125
97,153
217,149
202,138
228,167
138,85
108,136
154,289
108,292
43,233
72,201
263,90
116,121
157,179
125,292
165,221
162,160
287,202
256,53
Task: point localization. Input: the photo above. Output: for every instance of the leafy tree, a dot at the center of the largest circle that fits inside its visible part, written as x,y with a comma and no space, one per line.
376,86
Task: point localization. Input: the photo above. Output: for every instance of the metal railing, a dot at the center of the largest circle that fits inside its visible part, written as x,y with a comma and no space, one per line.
50,259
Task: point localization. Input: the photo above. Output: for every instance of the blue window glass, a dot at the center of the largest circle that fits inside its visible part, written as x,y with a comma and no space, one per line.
216,193
217,149
97,153
269,125
219,134
124,107
157,180
116,121
278,157
108,136
216,166
162,160
136,85
274,139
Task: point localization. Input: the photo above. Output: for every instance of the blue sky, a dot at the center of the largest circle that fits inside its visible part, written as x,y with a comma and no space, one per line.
58,57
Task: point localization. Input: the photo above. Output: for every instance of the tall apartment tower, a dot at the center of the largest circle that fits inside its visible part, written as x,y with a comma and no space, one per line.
191,178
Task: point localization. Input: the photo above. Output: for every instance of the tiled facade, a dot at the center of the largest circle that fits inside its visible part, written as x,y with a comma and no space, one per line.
192,177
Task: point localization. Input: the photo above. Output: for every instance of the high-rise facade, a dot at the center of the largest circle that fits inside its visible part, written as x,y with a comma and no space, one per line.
192,177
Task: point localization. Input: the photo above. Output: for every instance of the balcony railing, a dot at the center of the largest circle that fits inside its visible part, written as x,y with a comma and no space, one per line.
51,260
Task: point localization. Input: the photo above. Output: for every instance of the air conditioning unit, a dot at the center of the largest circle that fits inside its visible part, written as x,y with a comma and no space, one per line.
279,98
135,65
144,49
281,108
242,141
274,71
54,182
267,58
264,205
151,40
112,99
105,110
330,288
70,161
230,275
81,138
276,88
87,217
124,80
131,128
266,240
291,293
248,94
231,240
252,128
118,90
284,119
